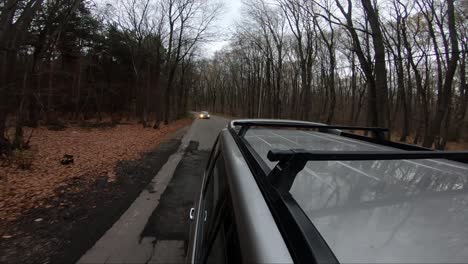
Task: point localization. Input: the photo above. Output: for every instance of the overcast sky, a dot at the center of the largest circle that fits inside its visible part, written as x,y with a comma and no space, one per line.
225,26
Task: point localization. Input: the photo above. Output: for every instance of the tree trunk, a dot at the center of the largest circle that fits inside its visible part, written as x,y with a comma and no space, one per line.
381,89
463,101
444,97
406,107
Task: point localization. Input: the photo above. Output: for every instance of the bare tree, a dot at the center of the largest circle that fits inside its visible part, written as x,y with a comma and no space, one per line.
444,81
298,15
15,20
188,23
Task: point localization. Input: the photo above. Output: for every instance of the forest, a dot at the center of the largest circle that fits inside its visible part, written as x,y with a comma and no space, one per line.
391,63
72,60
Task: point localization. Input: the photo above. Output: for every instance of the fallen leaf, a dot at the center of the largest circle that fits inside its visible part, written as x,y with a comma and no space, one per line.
96,153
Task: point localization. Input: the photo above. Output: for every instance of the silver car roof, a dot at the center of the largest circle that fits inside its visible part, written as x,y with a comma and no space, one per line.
377,211
261,241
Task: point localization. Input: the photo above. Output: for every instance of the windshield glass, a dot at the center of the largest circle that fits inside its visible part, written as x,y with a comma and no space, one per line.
377,211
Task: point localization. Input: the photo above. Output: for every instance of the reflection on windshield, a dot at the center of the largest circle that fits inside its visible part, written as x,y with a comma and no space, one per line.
378,211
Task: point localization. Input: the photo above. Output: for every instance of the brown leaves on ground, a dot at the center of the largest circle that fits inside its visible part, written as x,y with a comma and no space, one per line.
95,152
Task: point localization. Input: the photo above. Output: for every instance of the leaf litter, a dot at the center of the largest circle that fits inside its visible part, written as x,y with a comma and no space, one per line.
96,153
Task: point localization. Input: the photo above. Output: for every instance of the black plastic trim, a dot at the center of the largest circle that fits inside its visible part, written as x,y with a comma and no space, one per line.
309,155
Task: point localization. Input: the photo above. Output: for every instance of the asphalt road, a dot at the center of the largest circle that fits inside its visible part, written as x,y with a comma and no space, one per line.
168,225
154,228
205,131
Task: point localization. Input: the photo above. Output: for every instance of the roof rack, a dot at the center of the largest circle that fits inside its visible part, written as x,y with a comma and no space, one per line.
304,240
247,124
292,161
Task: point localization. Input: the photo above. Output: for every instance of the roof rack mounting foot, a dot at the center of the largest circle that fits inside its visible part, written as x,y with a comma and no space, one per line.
283,175
243,130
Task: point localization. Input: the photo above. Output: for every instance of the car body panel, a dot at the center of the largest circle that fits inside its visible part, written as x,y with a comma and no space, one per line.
261,241
392,211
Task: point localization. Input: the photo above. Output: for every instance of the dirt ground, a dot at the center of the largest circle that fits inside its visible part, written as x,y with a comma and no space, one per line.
95,152
53,213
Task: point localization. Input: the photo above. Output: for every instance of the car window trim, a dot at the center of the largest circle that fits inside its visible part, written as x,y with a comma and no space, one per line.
220,213
210,173
220,206
215,153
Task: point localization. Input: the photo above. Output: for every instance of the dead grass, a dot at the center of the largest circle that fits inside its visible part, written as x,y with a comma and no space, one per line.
95,151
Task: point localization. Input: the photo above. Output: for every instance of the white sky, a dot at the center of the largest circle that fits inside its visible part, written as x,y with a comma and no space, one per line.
224,26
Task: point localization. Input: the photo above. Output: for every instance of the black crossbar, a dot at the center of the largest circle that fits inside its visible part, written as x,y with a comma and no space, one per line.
304,125
277,155
246,124
291,162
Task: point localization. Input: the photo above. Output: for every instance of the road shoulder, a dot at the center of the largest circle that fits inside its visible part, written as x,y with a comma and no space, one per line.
122,243
168,226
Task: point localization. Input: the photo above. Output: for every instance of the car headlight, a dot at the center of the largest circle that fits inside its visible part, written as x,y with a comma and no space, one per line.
201,116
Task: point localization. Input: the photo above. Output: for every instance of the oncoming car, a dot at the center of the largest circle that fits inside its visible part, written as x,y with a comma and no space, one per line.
277,191
204,115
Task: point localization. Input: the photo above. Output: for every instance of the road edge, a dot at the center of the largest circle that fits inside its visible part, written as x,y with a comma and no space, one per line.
122,243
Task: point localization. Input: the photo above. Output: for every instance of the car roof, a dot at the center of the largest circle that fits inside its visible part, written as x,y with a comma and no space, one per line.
379,210
261,240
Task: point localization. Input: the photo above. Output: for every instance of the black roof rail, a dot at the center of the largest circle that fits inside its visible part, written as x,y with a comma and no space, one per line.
246,124
292,161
